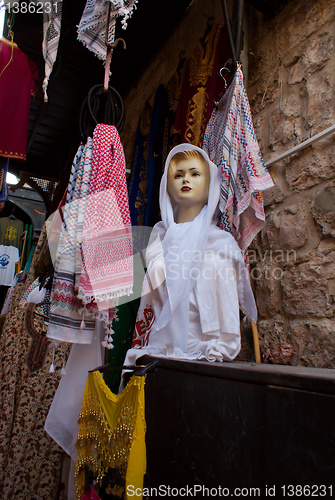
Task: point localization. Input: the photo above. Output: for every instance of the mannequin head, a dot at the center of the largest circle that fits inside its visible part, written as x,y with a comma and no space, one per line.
188,183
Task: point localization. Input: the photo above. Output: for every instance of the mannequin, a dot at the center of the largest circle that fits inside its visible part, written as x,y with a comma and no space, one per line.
196,278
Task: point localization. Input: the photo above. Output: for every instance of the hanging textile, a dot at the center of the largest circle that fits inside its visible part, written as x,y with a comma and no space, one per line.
93,24
9,257
18,82
162,143
67,310
107,272
30,462
231,144
138,180
3,181
201,85
52,18
112,434
11,230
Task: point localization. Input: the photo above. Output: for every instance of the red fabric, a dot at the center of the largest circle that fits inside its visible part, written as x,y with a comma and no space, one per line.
90,495
201,86
107,242
17,83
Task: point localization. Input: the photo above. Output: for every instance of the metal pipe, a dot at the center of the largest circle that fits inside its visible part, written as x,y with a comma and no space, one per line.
229,33
238,26
303,145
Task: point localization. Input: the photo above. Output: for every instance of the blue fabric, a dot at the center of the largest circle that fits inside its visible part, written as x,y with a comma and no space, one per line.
3,183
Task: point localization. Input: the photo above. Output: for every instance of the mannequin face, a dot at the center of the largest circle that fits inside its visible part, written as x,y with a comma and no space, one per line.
188,182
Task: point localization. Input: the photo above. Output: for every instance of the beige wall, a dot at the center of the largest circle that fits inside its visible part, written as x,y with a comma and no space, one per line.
291,91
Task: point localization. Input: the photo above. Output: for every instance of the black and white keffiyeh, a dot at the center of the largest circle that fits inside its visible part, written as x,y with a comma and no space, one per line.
52,18
92,26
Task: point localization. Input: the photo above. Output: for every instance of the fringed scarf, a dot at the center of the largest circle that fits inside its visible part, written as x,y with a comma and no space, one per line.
107,272
67,311
93,24
51,34
230,142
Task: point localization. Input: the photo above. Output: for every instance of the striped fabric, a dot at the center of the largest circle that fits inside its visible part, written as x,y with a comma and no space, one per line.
51,34
230,142
67,311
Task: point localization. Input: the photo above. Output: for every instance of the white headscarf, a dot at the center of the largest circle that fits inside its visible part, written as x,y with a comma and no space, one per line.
177,240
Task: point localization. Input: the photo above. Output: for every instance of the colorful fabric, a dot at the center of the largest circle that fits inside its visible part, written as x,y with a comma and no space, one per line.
30,461
107,272
231,143
67,310
112,434
93,24
18,82
3,176
52,18
138,180
201,85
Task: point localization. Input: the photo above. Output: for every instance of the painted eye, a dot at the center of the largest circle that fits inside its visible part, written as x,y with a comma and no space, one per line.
177,176
195,174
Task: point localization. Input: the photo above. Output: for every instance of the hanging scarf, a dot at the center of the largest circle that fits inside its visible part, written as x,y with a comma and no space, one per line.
196,274
51,34
67,311
107,272
93,24
231,143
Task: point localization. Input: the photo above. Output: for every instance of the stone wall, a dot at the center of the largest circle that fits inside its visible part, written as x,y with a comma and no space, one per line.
291,92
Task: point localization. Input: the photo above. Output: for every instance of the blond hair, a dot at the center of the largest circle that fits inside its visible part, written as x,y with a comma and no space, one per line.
188,154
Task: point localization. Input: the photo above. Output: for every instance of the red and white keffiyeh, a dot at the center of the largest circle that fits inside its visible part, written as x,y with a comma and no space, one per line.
107,272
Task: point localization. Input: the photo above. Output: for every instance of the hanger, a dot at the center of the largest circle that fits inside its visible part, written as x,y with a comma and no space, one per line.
138,370
12,216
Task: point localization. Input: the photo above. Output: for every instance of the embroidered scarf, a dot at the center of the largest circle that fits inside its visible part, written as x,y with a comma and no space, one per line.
107,272
67,310
230,142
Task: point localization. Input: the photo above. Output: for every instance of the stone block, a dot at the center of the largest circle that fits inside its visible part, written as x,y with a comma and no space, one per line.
323,209
281,128
310,166
273,195
319,99
305,290
270,331
286,230
266,278
313,342
312,57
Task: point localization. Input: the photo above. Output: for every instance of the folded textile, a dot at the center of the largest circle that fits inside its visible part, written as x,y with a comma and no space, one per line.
107,272
230,142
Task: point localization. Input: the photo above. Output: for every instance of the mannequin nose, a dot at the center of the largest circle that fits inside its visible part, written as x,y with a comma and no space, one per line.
185,180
